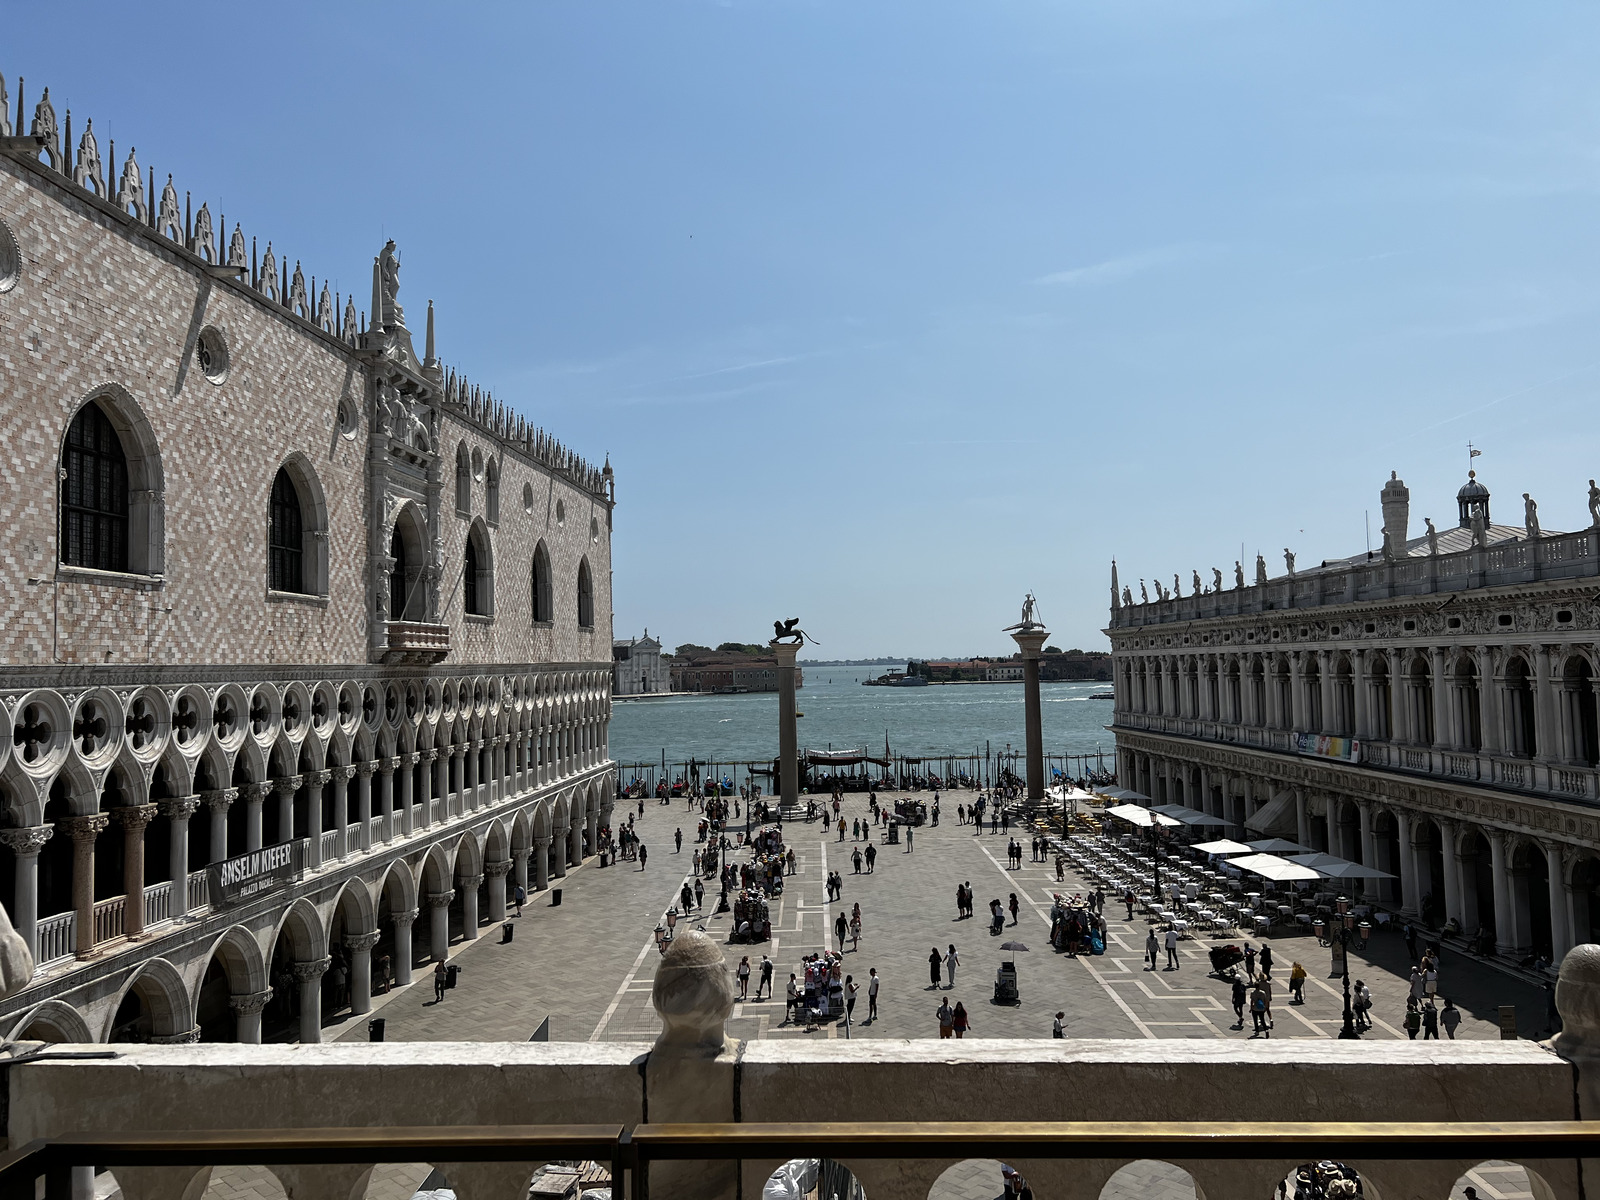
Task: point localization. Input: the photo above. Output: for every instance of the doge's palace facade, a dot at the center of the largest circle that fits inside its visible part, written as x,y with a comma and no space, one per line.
1428,709
306,648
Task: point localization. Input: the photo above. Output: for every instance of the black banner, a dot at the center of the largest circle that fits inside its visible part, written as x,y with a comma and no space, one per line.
256,872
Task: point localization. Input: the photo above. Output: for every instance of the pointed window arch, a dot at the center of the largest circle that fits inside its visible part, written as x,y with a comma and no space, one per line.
585,596
477,573
543,593
94,493
284,535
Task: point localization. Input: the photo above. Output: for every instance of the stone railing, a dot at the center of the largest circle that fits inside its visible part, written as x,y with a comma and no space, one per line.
1559,556
695,1074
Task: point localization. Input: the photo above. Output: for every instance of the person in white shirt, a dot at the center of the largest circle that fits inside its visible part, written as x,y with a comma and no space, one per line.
1172,949
792,997
1058,1027
951,962
872,994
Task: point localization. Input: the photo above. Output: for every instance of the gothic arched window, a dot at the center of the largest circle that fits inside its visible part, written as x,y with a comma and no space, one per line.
463,479
397,576
543,599
585,596
94,494
477,573
469,579
285,538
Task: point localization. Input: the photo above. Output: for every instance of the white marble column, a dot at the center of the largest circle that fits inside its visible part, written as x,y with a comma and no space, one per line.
1301,818
135,819
1504,934
316,781
439,924
364,802
425,800
25,844
1408,864
255,795
1444,736
385,819
541,863
309,975
1449,833
403,922
177,811
1560,937
1369,849
469,904
360,947
247,1016
405,776
495,873
519,870
1359,689
83,831
219,802
286,788
341,807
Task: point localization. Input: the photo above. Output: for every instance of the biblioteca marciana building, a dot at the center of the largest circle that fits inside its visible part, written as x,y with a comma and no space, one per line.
307,641
1428,709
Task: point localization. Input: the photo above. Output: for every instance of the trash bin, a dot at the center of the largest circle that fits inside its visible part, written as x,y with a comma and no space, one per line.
507,932
555,897
375,1029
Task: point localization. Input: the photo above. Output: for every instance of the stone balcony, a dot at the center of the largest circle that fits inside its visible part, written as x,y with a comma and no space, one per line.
419,642
828,1087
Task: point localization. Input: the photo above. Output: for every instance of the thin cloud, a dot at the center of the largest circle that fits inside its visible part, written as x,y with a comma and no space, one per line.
1114,269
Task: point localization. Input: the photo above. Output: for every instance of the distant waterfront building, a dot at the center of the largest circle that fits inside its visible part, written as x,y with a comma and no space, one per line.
1429,709
729,673
637,668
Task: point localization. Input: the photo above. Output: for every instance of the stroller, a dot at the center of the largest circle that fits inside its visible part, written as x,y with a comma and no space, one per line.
1224,959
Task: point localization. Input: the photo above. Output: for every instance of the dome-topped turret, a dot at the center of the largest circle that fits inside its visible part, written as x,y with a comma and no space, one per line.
1473,499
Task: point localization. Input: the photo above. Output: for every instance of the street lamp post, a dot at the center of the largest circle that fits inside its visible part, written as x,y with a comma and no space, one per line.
1346,932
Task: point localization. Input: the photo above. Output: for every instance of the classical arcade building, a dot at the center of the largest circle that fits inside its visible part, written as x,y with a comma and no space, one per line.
1429,709
307,640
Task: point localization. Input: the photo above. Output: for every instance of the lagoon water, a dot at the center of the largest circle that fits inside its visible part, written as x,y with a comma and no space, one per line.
953,719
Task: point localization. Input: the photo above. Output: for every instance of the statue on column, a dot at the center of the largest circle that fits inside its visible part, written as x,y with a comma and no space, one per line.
389,276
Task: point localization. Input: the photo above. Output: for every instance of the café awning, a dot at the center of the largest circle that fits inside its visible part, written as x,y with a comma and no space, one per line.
1135,814
1270,866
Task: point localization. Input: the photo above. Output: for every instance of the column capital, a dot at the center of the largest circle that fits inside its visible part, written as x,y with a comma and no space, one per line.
476,744
28,840
254,792
365,769
441,899
288,785
388,766
249,1003
135,817
344,774
86,829
497,870
179,808
403,917
315,969
542,842
220,800
318,778
472,881
411,759
430,755
176,1039
358,942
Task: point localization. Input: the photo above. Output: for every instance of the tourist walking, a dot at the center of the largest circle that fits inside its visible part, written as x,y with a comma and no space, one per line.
766,978
1058,1027
744,977
699,893
1260,1009
677,836
1297,984
959,1020
791,1004
951,962
1417,984
1266,960
909,832
961,902
1152,948
1413,1022
855,931
947,1019
1240,995
643,853
935,964
872,856
840,928
968,911
440,982
1249,961
1172,948
1430,1021
872,994
1014,906
850,990
1362,1005
1450,1018
521,898
855,859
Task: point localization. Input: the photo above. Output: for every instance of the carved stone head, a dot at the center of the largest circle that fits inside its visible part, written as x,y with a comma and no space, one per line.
693,994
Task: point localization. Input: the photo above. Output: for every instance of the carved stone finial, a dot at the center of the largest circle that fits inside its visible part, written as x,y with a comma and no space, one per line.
205,238
44,127
131,189
389,273
693,994
169,221
297,302
268,286
236,247
5,109
89,171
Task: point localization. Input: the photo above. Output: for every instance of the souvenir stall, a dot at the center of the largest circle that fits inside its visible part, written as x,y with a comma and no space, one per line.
752,920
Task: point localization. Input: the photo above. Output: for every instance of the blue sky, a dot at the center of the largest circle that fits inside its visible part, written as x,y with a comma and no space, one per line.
887,312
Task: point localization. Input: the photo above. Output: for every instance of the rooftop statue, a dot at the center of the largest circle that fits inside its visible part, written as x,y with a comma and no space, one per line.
1261,569
1177,588
1216,579
1288,558
1238,574
1530,514
1433,536
1127,596
1198,586
389,272
1144,596
1594,504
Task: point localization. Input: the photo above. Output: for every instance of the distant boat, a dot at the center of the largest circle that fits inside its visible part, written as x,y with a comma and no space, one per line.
896,679
1103,696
